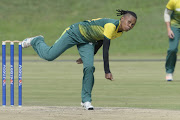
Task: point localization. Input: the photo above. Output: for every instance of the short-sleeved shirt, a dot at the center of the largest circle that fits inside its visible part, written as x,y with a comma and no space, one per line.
97,29
174,5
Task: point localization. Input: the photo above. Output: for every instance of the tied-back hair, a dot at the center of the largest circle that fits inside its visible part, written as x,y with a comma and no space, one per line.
123,12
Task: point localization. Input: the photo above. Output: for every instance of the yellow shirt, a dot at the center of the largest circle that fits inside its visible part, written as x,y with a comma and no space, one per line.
174,5
97,29
111,32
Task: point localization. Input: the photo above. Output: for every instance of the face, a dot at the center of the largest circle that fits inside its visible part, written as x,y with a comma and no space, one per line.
127,23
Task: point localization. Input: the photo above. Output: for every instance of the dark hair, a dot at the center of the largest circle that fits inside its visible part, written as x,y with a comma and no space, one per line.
123,12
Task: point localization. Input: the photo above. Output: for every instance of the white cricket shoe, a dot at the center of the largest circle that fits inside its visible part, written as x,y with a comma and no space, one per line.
27,42
169,77
87,106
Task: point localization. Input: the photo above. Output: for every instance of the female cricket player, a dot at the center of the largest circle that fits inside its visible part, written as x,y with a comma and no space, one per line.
172,20
88,36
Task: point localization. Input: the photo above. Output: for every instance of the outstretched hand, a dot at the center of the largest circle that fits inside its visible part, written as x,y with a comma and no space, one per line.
109,76
79,61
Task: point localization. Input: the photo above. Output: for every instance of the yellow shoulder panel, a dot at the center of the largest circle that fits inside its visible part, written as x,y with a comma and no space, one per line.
171,4
109,29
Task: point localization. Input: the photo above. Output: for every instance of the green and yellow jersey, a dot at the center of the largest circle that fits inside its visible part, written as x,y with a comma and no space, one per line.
96,29
174,5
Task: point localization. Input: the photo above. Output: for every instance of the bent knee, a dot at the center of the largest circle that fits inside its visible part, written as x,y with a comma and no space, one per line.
173,50
49,58
89,68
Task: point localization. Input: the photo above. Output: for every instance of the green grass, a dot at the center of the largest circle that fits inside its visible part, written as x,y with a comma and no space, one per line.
136,84
25,18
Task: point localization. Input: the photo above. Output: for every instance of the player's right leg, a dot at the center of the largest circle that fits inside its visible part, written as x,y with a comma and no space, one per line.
86,52
50,52
172,54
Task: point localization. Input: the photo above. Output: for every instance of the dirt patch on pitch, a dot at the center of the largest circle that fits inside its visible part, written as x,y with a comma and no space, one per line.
77,113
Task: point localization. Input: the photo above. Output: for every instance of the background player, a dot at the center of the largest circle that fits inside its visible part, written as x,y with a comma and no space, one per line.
172,20
86,35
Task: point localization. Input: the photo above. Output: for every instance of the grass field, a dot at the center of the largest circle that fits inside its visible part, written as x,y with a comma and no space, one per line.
135,85
52,90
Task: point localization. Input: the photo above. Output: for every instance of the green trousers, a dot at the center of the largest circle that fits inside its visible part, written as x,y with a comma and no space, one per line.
69,38
172,51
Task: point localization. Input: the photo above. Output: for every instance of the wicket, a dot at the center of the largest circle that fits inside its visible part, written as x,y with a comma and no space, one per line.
11,73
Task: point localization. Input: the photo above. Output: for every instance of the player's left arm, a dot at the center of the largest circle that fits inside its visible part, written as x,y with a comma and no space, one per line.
106,45
109,29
